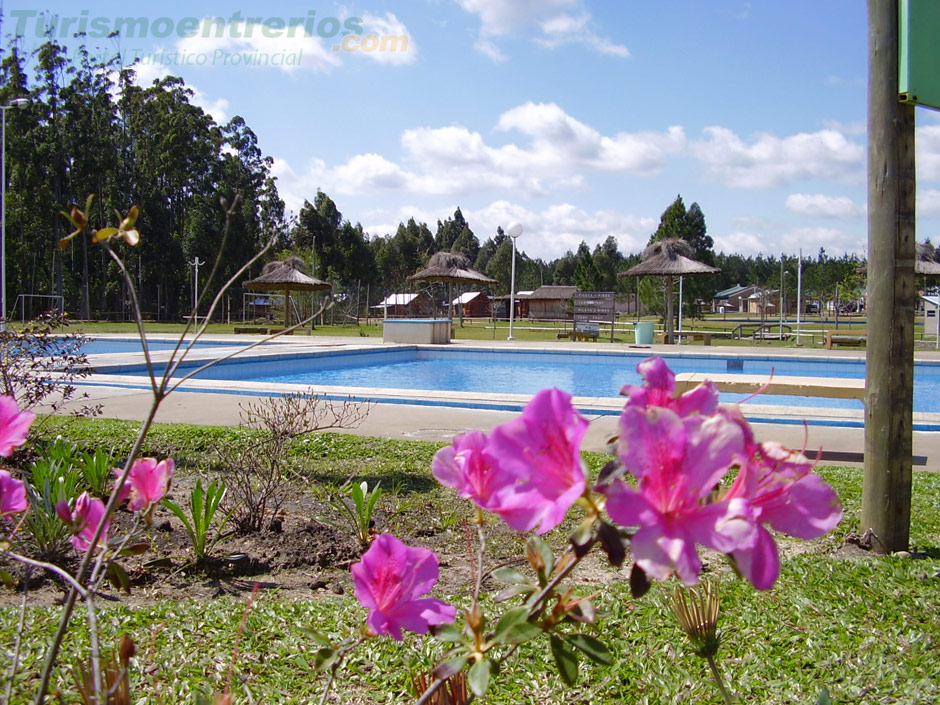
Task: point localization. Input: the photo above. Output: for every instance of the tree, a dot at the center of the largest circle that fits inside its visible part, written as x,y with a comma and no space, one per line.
689,225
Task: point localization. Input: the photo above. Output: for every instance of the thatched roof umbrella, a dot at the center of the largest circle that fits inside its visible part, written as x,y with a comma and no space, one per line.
453,268
668,258
286,275
925,264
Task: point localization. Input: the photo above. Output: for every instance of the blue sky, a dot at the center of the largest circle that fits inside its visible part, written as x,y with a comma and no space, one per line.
580,119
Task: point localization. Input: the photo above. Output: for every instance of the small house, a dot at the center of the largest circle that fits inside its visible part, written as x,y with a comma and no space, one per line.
473,304
551,303
404,305
733,300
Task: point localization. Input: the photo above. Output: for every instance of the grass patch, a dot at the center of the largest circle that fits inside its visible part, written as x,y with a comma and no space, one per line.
866,628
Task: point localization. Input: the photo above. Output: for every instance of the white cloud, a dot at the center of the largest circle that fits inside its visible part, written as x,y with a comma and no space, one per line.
500,17
245,45
928,203
217,107
928,152
834,240
548,233
546,22
741,242
821,206
455,160
489,49
770,161
403,50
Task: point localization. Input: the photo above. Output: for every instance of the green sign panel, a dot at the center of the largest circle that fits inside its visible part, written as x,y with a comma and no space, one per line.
919,52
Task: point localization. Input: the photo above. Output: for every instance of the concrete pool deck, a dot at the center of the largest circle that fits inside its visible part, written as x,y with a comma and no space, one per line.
203,402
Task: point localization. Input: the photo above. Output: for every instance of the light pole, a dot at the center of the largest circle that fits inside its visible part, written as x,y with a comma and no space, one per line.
514,231
20,103
196,262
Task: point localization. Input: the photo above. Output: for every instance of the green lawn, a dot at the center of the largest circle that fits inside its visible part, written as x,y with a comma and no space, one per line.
866,628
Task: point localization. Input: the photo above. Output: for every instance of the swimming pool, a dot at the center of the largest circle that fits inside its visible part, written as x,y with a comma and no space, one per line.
524,372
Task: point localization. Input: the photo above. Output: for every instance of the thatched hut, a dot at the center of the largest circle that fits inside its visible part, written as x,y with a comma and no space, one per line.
287,276
668,258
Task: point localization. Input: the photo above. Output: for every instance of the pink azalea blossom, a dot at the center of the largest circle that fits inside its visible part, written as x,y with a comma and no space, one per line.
390,581
14,425
12,494
469,467
466,467
785,494
543,450
660,391
83,520
147,482
677,462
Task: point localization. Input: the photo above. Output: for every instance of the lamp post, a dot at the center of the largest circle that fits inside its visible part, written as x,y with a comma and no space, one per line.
20,103
514,231
196,262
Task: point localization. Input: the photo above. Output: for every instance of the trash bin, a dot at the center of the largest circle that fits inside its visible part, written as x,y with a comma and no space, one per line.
643,332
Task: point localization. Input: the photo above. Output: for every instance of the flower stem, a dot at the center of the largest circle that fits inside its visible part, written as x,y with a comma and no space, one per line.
728,698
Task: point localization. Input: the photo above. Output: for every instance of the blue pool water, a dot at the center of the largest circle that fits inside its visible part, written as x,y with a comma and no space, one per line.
519,372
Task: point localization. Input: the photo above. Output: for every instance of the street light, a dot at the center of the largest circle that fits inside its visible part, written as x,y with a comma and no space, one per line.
20,103
196,263
514,231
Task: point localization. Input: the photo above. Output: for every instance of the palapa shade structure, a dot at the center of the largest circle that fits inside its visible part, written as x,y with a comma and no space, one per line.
925,264
668,258
287,276
452,268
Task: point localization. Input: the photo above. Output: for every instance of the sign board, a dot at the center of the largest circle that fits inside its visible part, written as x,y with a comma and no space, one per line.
919,52
596,307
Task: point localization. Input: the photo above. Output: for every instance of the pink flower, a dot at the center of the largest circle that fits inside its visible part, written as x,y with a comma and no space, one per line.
83,520
14,425
661,386
469,467
12,494
785,494
390,581
677,462
542,449
147,482
466,467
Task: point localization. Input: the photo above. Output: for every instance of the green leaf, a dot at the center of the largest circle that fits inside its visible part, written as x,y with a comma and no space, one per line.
447,633
510,619
119,578
316,636
522,632
612,543
513,591
324,658
7,580
593,648
479,677
451,666
566,659
823,697
507,574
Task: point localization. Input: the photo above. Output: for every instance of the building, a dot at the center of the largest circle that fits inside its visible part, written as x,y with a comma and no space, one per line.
473,304
402,305
551,303
733,300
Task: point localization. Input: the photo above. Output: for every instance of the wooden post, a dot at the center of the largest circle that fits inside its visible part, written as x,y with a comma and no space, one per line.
889,377
670,312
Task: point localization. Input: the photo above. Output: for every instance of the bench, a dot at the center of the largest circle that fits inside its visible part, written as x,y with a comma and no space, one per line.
262,330
846,337
831,387
706,338
585,331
